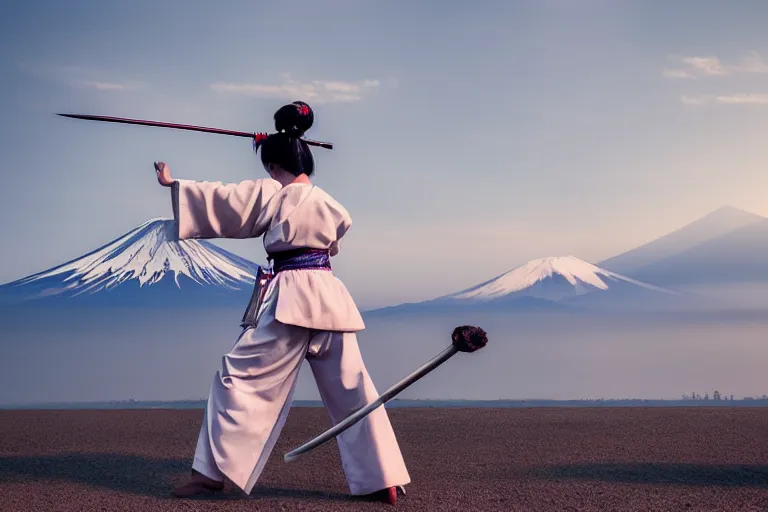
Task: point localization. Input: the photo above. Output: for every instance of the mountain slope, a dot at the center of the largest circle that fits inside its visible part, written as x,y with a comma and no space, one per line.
547,284
552,279
740,256
146,266
713,225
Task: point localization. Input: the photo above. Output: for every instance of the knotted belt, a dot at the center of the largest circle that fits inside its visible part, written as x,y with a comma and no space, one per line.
299,259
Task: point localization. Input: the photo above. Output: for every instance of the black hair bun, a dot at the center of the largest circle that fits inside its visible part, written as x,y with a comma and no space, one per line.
294,119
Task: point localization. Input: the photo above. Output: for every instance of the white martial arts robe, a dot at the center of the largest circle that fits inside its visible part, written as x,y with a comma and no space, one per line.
305,313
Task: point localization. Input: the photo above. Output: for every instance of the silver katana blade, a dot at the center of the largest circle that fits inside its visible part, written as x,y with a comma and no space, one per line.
363,412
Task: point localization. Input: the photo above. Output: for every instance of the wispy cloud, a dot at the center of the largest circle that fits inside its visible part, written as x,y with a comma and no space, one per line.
695,67
677,73
695,100
752,63
85,78
109,86
103,86
733,99
318,91
700,67
743,99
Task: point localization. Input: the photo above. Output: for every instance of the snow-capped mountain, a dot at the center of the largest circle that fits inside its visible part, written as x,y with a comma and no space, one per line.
720,256
143,267
735,257
555,283
714,225
553,279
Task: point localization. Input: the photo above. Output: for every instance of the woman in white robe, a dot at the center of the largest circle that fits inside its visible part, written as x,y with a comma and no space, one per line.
305,312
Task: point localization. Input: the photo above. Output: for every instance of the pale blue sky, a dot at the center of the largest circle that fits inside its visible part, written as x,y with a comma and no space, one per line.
470,136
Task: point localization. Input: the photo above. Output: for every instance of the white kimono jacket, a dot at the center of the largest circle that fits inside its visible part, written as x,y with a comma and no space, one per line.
292,217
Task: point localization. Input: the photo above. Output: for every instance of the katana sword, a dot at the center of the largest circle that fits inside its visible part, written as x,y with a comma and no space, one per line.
326,145
464,339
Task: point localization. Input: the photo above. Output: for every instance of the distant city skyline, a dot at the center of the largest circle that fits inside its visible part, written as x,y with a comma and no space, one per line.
469,139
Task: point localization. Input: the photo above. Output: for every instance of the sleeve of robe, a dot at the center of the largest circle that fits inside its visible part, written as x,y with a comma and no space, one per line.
344,223
204,209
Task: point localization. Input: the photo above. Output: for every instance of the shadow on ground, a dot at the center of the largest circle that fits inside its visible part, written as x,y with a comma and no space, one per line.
130,474
736,475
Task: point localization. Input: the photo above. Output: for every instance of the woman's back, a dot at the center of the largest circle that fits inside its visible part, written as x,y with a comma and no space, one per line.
290,213
297,216
302,215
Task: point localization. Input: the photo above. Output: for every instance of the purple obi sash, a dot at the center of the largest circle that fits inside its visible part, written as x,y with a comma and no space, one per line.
314,259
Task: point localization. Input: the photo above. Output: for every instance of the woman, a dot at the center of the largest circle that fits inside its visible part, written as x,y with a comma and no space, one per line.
305,312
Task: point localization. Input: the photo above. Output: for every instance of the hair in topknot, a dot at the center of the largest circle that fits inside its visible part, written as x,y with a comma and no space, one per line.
294,119
286,148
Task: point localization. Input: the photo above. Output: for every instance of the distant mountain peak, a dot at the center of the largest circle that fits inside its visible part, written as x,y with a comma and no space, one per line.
559,283
143,257
736,257
719,222
536,278
732,212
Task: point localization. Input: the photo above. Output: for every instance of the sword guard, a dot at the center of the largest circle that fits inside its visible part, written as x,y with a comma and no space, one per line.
258,139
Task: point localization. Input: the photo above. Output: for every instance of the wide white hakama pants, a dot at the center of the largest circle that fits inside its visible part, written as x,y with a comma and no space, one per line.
252,394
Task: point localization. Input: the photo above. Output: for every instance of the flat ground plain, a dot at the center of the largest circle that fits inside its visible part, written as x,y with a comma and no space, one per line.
531,459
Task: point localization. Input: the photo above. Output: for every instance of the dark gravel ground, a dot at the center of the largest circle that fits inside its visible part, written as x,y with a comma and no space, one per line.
563,459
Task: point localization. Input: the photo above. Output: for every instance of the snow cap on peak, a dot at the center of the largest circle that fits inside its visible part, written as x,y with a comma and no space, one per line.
147,254
551,277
